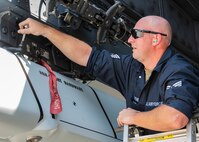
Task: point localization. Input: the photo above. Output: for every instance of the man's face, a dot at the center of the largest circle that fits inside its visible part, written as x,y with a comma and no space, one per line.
141,43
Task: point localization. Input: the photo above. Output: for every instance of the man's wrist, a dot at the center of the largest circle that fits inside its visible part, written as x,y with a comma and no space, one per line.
47,31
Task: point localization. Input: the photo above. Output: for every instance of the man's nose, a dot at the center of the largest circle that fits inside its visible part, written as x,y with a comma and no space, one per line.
131,39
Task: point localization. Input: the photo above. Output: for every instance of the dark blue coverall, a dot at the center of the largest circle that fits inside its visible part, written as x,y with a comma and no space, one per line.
173,82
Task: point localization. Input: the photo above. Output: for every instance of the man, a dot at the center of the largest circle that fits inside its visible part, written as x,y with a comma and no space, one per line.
161,89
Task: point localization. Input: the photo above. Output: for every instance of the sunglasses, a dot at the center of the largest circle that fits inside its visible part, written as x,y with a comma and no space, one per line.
137,33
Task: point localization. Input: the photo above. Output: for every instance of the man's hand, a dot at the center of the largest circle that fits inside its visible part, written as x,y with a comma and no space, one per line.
34,27
126,116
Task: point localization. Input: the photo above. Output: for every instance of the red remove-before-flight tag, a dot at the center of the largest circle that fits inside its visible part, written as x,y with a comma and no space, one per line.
55,106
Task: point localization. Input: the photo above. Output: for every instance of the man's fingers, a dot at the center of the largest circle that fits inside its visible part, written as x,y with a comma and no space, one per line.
24,23
119,122
23,31
24,27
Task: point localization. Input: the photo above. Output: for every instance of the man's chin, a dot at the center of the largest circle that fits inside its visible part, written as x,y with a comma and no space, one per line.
135,57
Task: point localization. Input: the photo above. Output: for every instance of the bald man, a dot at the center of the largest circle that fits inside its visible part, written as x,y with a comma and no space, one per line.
160,87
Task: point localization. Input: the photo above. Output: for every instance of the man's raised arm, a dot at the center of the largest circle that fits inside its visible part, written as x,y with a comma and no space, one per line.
73,48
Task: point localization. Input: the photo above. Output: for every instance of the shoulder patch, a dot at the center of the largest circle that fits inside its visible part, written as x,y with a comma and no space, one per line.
177,84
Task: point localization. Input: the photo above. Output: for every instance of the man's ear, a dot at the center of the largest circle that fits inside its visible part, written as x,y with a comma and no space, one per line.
156,39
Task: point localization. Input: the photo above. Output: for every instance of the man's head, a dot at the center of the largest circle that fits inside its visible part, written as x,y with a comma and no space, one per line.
150,38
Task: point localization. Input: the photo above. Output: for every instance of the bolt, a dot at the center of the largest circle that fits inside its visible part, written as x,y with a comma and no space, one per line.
34,139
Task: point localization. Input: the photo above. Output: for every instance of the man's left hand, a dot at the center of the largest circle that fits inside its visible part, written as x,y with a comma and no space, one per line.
126,116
